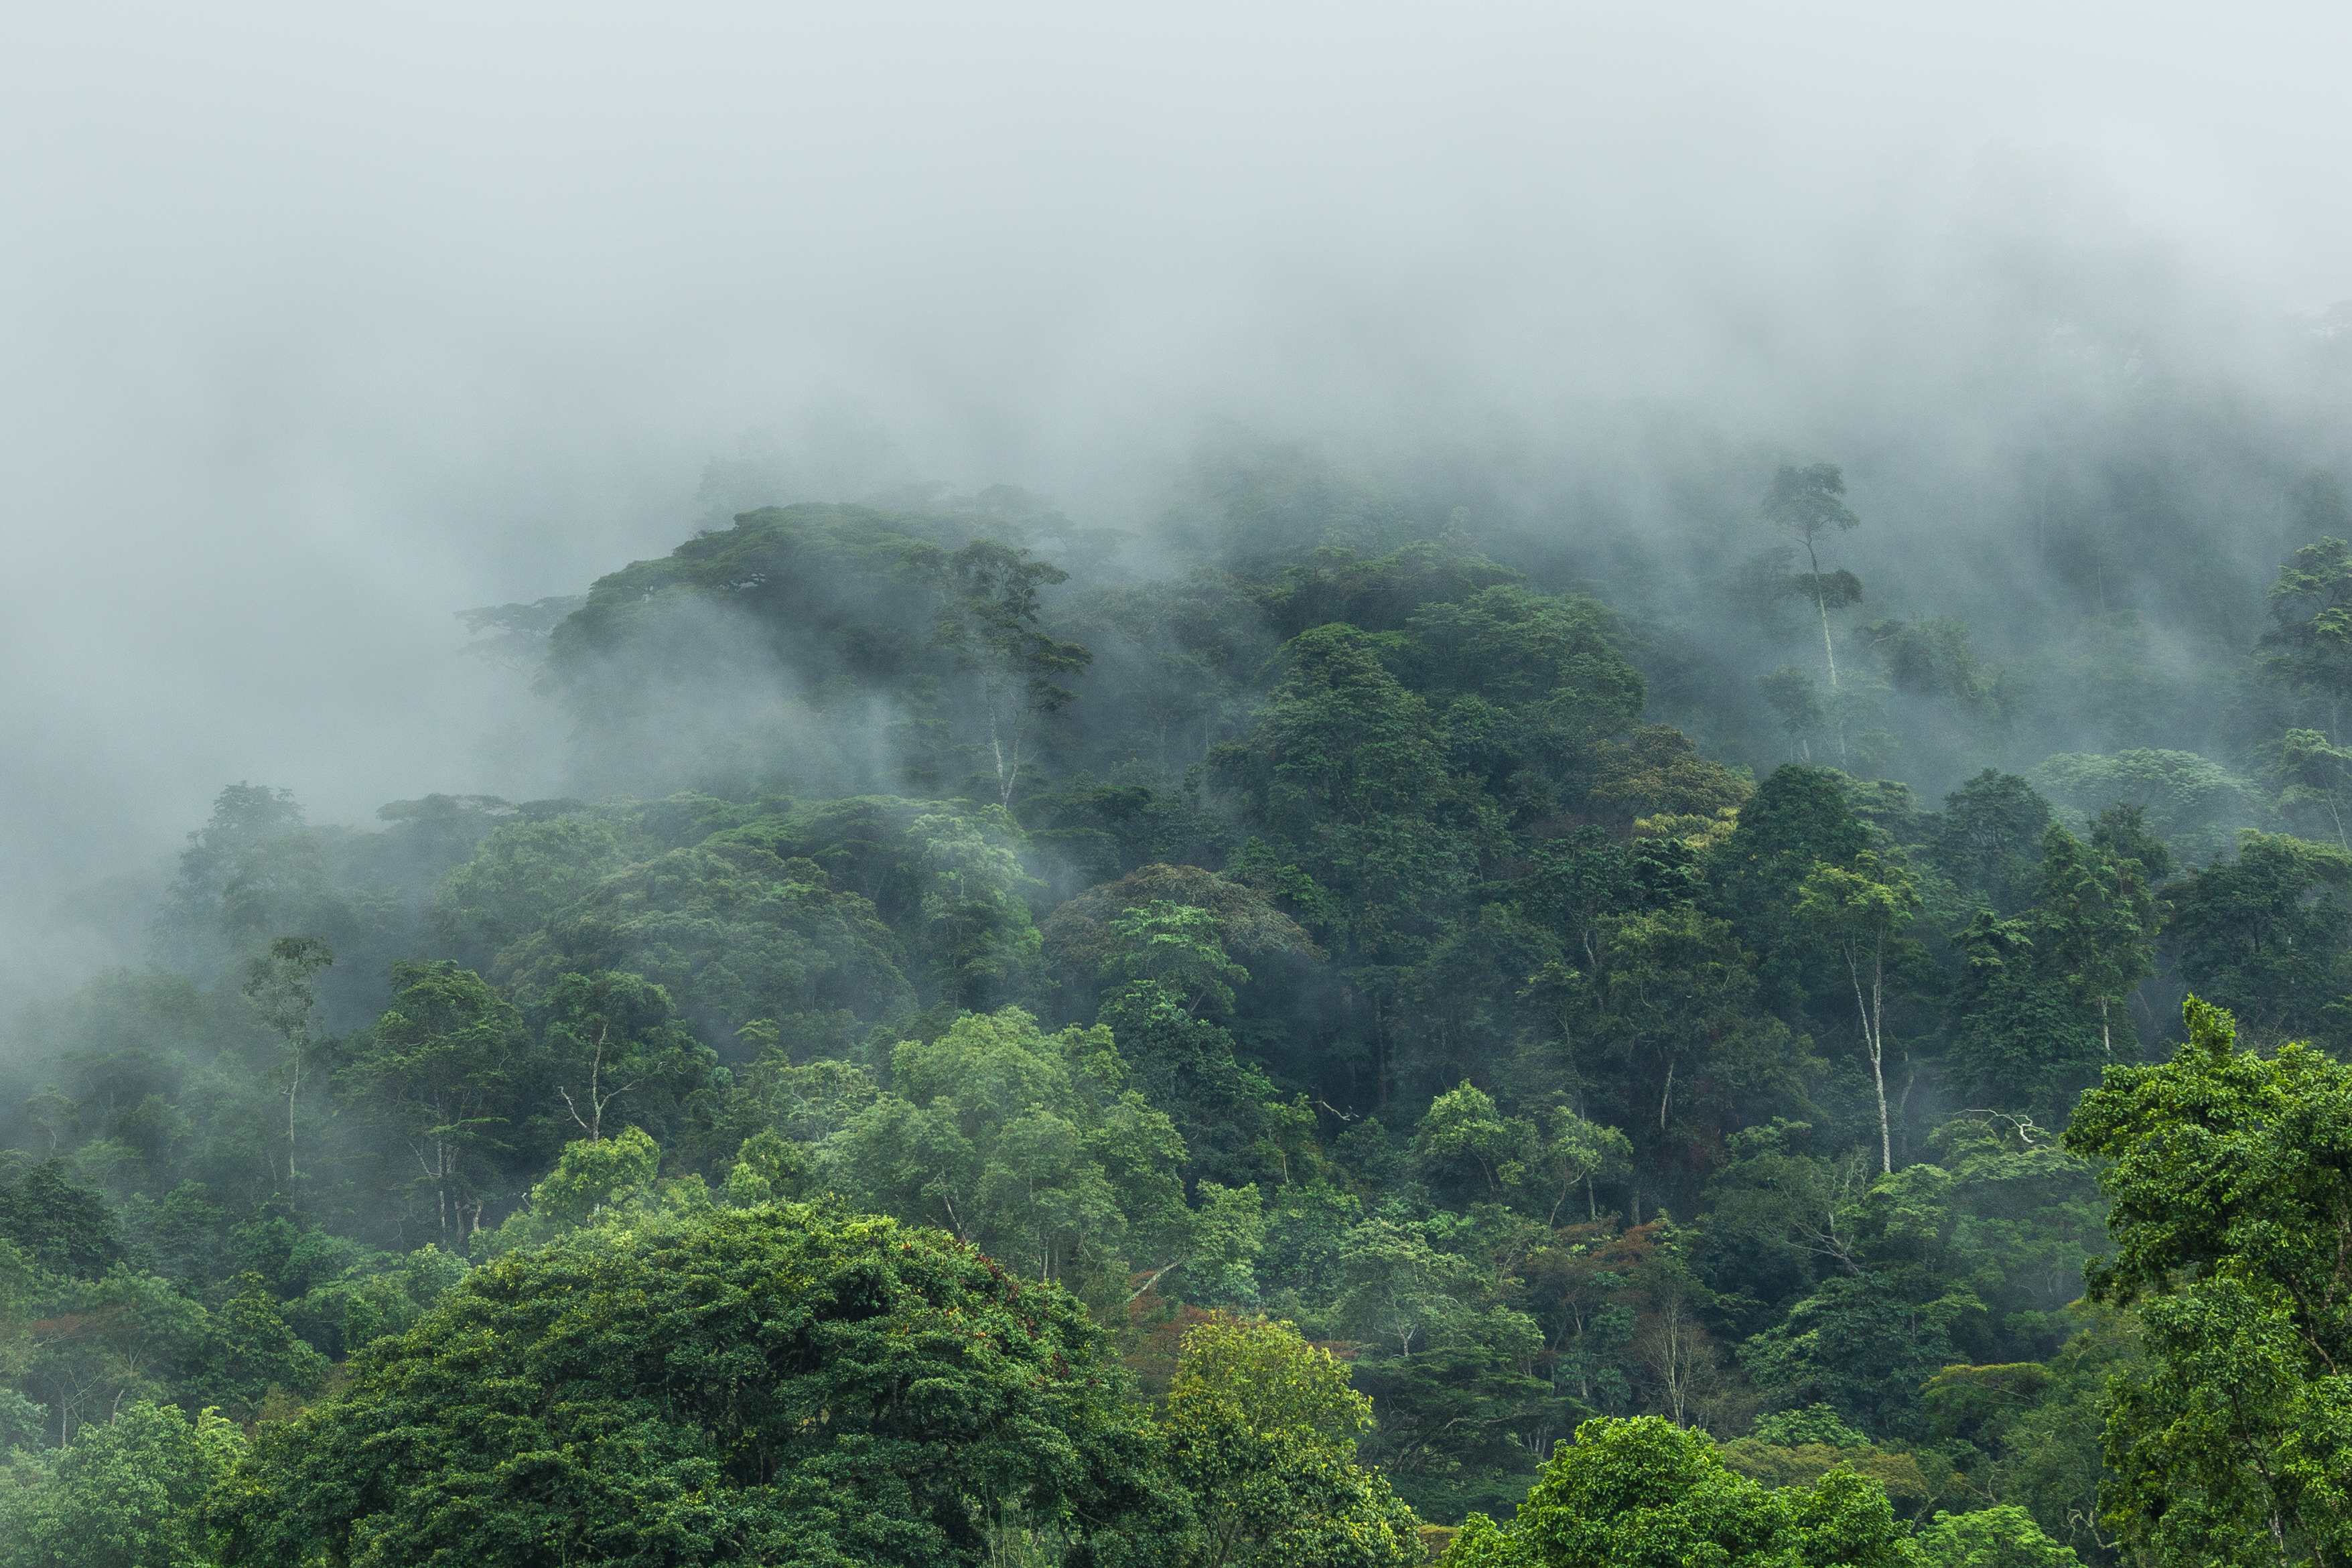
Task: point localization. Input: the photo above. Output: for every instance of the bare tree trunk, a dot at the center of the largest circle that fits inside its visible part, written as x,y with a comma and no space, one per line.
593,1122
1007,755
995,742
1012,773
1674,1349
293,1090
1829,651
1831,654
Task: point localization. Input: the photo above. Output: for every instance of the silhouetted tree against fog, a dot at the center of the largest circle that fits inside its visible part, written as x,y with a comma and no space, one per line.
1805,503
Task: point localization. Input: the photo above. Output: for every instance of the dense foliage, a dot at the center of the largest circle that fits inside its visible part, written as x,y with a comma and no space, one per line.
773,1386
2231,1181
1012,1056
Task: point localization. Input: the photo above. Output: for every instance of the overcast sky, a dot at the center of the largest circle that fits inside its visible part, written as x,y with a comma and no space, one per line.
315,327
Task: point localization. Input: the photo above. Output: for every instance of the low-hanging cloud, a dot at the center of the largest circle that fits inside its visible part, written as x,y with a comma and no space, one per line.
323,326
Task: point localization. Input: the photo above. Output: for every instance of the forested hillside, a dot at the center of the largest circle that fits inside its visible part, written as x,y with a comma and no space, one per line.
995,971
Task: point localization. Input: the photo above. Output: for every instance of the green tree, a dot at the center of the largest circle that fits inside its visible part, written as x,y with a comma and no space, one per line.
991,599
1657,771
1806,503
974,905
737,928
1450,1369
2102,922
2002,1536
1680,1032
1530,685
279,985
1864,1343
1799,817
1228,1238
597,1175
2308,646
128,1494
1260,1429
93,1346
670,669
1991,839
518,879
187,928
2190,804
1791,694
1467,1149
1465,1144
1190,1068
1815,1423
371,1301
781,1384
2026,1215
612,1034
1778,1214
2230,1178
1080,939
1402,1288
2037,996
1568,1152
1864,909
438,1070
2050,1457
1024,1144
1644,1490
2312,775
1179,948
1374,838
2259,935
251,1350
58,1224
2025,1040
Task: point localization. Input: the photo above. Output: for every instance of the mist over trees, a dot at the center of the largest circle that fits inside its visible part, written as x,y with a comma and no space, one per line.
1547,786
1452,976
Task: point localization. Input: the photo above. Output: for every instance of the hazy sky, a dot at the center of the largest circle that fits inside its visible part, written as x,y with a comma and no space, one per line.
315,327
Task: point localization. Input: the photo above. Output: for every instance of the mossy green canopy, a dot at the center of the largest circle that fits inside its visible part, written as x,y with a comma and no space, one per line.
779,1385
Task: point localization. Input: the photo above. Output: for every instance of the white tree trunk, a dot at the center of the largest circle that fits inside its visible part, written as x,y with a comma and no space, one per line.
1874,1041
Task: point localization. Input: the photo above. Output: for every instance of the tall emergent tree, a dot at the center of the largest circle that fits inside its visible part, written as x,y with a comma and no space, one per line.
2099,922
1805,503
990,604
1863,908
279,985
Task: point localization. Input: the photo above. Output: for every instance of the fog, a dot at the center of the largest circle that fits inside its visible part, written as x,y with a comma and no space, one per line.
317,329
